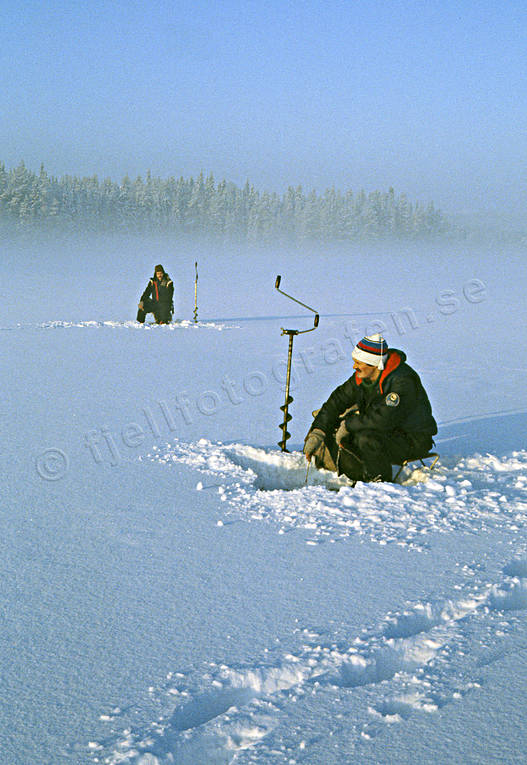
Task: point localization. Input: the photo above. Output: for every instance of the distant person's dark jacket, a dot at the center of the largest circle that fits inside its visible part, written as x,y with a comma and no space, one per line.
160,292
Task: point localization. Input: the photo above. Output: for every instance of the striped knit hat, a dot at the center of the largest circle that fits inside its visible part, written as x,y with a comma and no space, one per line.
372,350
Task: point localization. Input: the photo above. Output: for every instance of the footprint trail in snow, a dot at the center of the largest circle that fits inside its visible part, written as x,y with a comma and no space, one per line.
415,662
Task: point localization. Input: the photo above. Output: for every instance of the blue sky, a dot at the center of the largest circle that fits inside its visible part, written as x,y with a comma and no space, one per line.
427,97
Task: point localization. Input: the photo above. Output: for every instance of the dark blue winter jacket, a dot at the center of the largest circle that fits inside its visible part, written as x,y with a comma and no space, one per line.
396,402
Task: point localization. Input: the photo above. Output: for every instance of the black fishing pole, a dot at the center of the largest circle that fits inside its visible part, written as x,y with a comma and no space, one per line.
291,333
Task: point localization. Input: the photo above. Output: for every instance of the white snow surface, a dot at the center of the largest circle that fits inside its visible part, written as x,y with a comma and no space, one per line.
175,589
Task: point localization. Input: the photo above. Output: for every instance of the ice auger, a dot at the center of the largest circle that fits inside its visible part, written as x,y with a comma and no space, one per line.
196,294
291,333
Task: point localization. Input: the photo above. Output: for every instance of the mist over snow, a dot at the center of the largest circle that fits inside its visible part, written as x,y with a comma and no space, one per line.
177,590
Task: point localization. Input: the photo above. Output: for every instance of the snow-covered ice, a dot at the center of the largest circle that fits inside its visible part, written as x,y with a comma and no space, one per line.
177,590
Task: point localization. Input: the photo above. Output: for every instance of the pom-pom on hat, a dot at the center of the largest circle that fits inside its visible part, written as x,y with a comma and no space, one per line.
372,350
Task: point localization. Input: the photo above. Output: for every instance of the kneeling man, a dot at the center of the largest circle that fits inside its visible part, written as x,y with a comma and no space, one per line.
379,417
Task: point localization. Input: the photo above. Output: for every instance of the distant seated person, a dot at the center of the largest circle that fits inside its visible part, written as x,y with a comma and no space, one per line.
379,417
157,298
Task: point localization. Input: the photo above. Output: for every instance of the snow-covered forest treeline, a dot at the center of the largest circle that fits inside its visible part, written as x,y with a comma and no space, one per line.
202,206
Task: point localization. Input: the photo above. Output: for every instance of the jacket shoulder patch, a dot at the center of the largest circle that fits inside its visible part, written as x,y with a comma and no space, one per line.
392,399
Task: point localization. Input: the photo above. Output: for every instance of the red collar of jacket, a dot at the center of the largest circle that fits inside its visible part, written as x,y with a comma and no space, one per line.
392,363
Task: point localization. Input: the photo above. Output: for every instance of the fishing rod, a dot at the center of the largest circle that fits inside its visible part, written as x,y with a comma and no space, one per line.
291,333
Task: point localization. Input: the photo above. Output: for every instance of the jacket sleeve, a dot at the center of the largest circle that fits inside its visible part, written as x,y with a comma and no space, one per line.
170,290
148,291
388,411
341,399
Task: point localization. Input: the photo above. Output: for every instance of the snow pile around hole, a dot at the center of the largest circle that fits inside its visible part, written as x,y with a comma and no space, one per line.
476,493
149,325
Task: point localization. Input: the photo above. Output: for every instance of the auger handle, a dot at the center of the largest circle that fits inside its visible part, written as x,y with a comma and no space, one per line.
316,320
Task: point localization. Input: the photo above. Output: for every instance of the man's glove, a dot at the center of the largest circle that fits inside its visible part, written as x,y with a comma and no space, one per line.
314,440
140,306
342,432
